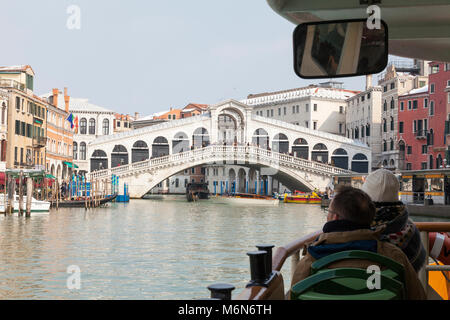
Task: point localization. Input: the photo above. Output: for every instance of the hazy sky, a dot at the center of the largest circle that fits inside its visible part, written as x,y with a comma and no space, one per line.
148,56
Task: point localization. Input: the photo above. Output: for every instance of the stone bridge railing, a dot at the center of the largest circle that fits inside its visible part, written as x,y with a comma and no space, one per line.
213,154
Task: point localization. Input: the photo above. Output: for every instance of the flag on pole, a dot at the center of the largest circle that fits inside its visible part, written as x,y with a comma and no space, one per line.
70,119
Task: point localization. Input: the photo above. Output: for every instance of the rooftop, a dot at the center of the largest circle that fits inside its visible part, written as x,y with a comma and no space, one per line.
78,104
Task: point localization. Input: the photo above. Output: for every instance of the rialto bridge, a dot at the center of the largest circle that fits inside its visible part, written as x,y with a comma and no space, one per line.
298,157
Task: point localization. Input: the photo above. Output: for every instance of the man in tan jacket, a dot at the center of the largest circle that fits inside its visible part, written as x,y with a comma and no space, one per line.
348,228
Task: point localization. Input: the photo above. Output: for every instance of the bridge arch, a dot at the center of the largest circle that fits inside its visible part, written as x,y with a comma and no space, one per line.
320,153
140,151
200,138
300,149
180,143
160,147
260,138
360,163
99,160
280,143
119,156
340,158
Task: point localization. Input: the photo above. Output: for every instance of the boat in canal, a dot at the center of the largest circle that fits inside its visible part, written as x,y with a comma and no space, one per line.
197,191
246,199
303,198
80,203
36,205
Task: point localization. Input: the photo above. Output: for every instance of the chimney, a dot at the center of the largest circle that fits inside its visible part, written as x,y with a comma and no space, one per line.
368,81
136,115
66,100
55,97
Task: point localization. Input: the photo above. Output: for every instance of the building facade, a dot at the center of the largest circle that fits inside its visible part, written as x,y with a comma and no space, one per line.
394,84
90,122
4,101
363,121
439,92
318,107
413,129
59,162
122,122
26,121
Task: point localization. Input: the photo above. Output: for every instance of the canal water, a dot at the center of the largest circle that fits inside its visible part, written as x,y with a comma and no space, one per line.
146,249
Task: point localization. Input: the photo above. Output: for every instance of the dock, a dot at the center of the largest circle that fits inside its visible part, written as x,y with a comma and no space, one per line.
438,211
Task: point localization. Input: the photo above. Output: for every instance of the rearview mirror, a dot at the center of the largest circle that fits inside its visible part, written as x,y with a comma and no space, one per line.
342,48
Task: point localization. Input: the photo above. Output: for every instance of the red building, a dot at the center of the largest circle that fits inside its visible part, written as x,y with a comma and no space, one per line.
439,85
422,119
413,129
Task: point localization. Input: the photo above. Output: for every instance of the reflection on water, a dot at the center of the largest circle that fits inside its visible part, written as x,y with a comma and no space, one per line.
147,249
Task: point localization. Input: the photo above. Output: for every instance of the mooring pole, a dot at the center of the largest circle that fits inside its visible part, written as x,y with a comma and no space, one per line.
21,193
29,195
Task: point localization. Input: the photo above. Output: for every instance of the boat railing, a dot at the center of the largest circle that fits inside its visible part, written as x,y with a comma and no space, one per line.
292,250
425,228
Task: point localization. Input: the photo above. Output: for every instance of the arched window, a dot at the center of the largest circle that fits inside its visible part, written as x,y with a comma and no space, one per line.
392,103
392,144
75,150
384,125
83,126
392,123
384,145
91,126
105,127
368,130
82,151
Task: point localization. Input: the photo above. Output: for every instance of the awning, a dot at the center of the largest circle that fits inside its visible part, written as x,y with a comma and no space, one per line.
50,176
38,121
70,164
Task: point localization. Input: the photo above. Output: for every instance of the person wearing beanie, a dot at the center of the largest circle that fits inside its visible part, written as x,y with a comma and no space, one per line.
383,187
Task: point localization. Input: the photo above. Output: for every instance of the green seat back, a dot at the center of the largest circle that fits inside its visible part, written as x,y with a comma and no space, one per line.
394,269
346,284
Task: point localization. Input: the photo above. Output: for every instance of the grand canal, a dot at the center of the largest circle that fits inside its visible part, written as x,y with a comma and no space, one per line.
146,249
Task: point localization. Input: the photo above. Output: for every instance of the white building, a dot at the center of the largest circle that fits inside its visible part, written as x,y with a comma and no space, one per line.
318,107
363,121
91,121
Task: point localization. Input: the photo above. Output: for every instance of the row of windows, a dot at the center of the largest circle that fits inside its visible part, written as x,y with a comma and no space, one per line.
295,109
363,98
28,157
27,130
355,133
32,108
82,151
92,129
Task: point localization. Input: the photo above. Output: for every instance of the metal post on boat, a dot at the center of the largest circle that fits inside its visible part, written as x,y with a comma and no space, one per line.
257,267
268,261
29,195
21,193
221,291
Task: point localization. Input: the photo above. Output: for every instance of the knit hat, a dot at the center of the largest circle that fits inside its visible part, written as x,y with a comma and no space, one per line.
382,186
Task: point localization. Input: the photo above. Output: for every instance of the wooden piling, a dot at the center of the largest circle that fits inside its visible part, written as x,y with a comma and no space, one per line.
5,200
11,191
21,193
29,195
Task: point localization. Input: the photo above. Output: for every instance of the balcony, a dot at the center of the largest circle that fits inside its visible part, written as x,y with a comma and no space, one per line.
9,83
421,134
39,142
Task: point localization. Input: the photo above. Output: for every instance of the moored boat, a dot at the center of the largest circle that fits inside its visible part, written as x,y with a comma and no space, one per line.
303,198
246,199
36,205
80,203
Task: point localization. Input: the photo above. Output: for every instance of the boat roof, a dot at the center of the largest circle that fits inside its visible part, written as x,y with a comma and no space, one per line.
417,29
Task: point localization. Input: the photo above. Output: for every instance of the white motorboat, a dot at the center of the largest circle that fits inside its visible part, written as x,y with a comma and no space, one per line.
36,205
246,199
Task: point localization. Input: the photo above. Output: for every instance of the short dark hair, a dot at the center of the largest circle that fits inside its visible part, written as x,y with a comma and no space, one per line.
354,205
